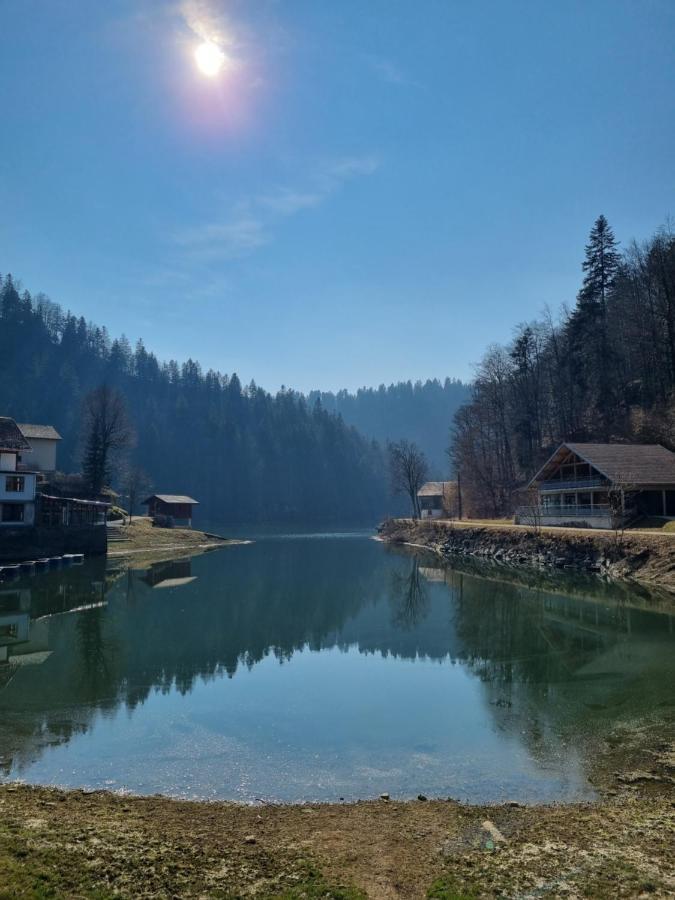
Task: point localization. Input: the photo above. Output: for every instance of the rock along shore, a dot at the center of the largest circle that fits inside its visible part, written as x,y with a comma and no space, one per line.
645,557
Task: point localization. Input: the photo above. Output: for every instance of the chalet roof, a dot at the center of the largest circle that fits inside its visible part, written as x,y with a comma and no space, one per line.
11,438
39,432
627,464
171,498
437,489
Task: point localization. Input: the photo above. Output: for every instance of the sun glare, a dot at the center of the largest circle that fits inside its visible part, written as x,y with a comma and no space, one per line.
210,59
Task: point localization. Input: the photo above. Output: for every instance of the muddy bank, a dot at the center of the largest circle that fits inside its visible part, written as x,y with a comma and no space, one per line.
647,558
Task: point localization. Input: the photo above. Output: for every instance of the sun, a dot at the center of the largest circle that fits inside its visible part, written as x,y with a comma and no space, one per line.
210,59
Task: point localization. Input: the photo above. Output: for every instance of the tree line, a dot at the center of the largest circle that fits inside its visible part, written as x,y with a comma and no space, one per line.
246,455
603,371
414,411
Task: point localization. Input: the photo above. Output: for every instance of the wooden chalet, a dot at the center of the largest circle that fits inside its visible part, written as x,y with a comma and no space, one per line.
438,500
601,486
174,506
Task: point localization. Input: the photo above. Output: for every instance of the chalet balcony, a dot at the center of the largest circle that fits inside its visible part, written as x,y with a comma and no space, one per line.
570,511
582,483
600,516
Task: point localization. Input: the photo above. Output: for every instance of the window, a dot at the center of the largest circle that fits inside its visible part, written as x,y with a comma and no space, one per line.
12,512
15,484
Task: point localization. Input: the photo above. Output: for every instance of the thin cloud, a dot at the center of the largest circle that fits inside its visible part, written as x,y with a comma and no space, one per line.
390,72
250,225
237,237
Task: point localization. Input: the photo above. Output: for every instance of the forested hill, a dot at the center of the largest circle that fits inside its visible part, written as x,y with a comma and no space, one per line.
245,455
421,412
604,372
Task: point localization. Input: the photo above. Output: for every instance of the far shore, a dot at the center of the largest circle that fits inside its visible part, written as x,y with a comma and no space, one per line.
140,538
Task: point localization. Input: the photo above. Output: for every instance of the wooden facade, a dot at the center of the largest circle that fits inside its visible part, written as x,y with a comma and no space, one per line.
601,486
172,506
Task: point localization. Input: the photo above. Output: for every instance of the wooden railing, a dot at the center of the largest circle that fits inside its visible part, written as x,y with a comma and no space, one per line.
572,484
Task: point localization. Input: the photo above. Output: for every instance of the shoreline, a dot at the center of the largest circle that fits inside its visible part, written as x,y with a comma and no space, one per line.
140,538
633,557
76,843
83,844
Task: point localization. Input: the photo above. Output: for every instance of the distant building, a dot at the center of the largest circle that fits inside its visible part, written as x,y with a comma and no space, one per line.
175,506
43,440
601,485
439,500
17,483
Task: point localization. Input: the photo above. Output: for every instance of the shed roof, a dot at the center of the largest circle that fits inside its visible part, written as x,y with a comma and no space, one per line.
437,489
11,438
627,464
171,498
39,432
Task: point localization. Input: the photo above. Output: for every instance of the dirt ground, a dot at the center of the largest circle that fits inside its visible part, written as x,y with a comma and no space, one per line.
99,845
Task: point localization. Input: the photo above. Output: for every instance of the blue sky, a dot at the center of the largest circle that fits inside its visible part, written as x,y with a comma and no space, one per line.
371,190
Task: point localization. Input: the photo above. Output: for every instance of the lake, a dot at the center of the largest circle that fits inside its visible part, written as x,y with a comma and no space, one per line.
323,667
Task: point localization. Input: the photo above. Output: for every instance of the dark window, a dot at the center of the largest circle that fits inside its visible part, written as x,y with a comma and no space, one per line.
15,484
12,512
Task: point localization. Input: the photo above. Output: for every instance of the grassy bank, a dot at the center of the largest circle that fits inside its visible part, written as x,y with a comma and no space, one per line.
55,844
140,537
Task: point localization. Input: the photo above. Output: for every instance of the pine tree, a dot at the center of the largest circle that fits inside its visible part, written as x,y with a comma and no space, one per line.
601,266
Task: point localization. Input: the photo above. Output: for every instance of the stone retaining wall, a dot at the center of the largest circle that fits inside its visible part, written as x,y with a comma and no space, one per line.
35,542
645,557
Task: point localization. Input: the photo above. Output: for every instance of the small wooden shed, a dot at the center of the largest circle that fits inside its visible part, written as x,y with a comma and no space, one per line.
177,506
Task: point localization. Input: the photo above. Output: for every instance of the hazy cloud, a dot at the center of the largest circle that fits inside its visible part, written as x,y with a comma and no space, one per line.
250,224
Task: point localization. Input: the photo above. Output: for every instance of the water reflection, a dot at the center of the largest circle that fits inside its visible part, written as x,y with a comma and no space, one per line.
526,673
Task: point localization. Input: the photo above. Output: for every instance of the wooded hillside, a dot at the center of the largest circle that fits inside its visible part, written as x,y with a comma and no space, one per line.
605,371
246,455
419,412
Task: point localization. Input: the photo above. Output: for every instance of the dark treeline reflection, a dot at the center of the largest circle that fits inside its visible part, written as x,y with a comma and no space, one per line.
549,654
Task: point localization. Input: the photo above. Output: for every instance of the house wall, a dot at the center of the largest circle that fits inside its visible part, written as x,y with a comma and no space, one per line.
35,542
433,513
42,456
28,516
176,510
7,462
28,492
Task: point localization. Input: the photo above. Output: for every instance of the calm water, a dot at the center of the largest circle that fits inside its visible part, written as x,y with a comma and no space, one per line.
308,667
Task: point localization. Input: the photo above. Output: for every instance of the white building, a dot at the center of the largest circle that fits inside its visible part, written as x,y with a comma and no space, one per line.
42,454
17,483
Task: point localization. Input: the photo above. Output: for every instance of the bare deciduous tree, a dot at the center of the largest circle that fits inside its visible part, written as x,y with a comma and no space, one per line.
135,483
106,433
408,471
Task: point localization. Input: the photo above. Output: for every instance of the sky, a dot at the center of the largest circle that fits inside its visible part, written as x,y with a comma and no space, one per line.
368,191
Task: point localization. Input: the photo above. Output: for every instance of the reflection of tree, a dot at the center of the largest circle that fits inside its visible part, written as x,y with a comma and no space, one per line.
534,649
97,655
409,596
